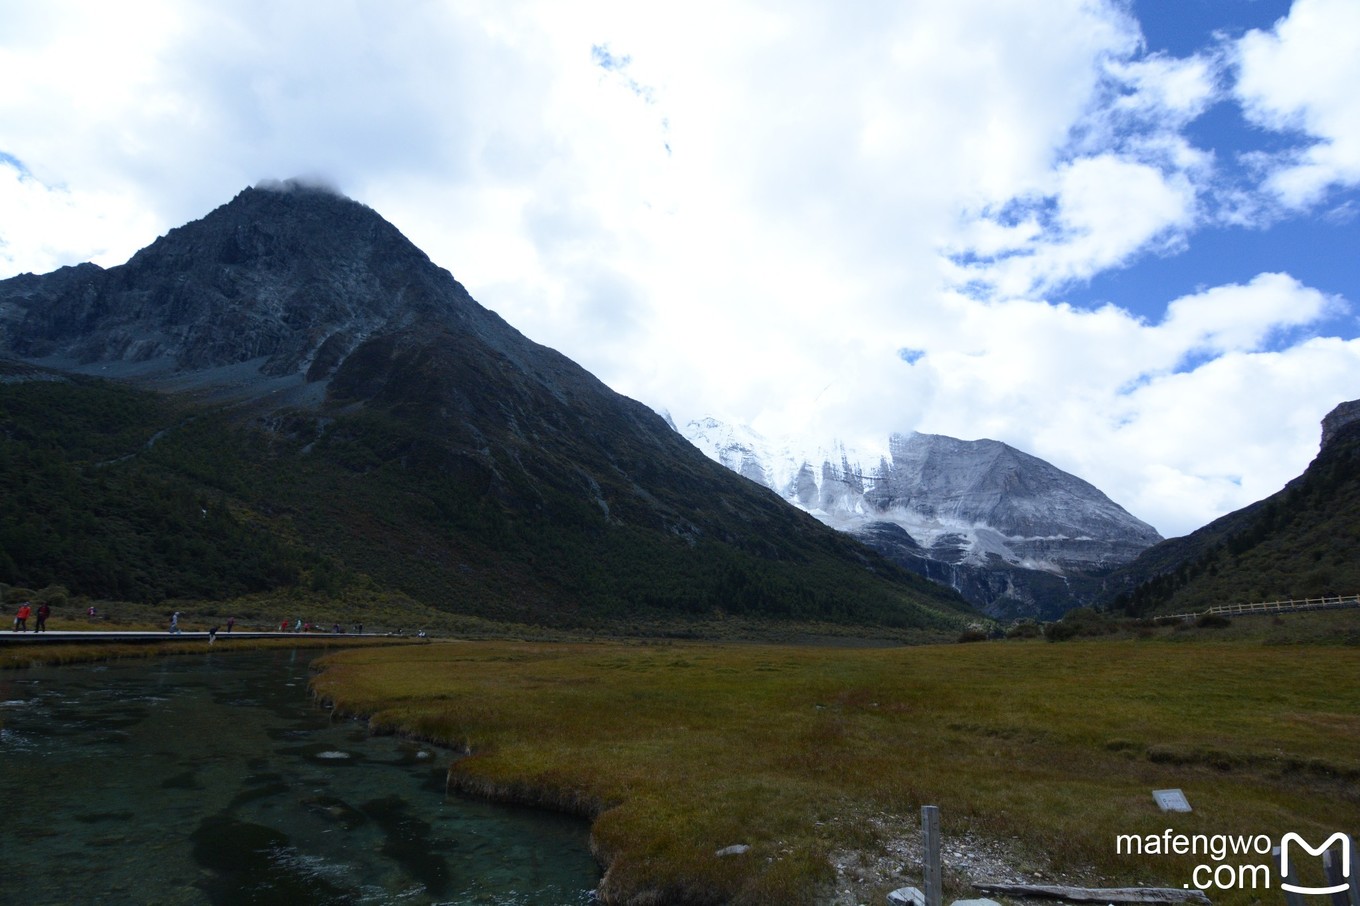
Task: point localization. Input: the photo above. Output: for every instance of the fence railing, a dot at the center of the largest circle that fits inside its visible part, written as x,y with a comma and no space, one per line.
1291,605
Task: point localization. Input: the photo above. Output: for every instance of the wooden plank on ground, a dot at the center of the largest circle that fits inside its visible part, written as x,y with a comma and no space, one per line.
1095,894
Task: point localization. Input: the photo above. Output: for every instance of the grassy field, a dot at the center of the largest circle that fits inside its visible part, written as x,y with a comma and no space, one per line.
1048,751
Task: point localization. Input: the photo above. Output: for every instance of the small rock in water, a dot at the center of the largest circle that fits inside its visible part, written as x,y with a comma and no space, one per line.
333,755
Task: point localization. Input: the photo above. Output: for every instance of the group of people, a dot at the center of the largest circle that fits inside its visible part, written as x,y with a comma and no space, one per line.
300,626
44,610
26,610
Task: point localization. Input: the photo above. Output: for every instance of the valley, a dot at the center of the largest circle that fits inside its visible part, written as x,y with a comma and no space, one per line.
285,410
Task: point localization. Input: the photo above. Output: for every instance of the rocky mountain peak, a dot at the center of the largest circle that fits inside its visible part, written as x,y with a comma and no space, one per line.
1343,415
1014,534
279,284
413,434
992,483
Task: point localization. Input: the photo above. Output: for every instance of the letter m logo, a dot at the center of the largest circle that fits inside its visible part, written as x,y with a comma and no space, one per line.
1318,851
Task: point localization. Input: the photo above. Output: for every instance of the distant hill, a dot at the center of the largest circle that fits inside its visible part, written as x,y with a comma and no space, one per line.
287,394
1300,542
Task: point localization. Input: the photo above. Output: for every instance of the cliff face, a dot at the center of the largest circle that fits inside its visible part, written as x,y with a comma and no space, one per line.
1343,415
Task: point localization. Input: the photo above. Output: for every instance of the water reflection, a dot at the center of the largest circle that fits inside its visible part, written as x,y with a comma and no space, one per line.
213,779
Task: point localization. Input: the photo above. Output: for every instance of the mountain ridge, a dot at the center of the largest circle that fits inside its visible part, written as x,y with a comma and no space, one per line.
1299,542
353,399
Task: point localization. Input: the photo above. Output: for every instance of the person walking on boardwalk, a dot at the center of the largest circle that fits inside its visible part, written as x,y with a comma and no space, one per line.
44,611
231,624
21,618
174,624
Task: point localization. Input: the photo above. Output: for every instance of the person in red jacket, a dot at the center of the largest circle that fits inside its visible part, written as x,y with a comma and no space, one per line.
21,618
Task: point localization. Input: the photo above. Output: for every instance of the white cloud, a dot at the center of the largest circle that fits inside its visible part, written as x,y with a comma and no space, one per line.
1102,211
753,214
58,226
1230,432
1162,86
1242,318
1179,421
1301,76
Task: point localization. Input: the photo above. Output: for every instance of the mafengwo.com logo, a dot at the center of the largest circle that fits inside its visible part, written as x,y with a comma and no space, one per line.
1345,874
1241,862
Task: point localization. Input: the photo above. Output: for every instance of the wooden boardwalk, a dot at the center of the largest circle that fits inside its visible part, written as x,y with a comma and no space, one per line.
59,636
1291,605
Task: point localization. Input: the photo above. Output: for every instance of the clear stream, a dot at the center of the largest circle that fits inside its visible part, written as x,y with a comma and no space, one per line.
216,779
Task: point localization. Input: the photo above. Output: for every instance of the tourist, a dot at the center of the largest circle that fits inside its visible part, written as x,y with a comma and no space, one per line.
44,611
231,624
21,618
212,634
174,624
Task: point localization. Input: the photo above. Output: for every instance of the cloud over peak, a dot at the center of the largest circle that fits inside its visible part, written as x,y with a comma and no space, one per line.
825,220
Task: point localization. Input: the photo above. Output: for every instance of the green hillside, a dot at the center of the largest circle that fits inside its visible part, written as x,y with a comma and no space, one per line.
124,494
1301,542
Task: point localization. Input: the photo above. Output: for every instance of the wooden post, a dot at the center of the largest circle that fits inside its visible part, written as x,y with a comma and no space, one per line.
930,838
1332,872
1335,877
1355,874
1290,897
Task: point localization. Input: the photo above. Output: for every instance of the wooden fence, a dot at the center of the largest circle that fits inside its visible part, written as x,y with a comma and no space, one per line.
1292,605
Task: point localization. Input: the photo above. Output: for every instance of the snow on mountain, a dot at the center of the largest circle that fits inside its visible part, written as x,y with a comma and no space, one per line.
966,508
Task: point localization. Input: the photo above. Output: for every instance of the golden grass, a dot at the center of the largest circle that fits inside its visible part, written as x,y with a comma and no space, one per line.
676,750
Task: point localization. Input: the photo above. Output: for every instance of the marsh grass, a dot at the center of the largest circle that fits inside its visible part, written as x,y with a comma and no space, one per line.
676,750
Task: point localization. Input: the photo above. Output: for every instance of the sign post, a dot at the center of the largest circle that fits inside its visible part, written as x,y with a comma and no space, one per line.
930,838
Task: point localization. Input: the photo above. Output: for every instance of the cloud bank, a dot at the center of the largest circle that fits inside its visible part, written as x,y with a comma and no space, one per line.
814,220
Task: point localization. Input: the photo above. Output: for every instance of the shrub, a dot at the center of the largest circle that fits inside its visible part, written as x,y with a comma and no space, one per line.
1082,621
1060,631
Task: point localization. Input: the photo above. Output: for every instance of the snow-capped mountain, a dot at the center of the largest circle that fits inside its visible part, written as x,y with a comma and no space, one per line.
1013,533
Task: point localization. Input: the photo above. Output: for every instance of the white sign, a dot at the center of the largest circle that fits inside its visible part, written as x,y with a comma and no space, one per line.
1171,800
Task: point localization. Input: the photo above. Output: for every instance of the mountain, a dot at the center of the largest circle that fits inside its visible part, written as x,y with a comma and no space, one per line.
288,395
1012,533
1298,543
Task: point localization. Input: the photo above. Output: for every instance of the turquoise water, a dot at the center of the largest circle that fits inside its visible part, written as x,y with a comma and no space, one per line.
215,779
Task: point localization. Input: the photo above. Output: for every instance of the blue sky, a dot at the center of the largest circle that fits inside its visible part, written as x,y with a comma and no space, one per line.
1119,236
1182,27
1319,246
